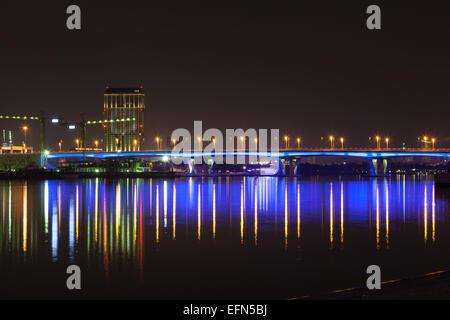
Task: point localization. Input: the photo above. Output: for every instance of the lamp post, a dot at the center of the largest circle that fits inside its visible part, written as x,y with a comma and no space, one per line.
387,143
342,143
298,143
432,142
157,143
286,142
25,129
200,144
77,141
377,138
60,145
425,141
96,144
331,142
46,153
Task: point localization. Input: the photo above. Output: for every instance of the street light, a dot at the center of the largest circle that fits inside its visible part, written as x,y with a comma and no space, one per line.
387,143
77,141
425,140
46,153
25,129
135,144
298,143
286,142
60,145
433,141
96,144
242,143
342,143
157,143
331,142
200,146
378,141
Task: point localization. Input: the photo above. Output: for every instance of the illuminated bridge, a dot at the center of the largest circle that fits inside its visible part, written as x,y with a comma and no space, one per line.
287,160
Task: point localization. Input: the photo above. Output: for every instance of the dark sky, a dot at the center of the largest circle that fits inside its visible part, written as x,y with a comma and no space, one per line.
310,68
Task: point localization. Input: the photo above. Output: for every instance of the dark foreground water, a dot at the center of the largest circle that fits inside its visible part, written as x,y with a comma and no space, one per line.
217,237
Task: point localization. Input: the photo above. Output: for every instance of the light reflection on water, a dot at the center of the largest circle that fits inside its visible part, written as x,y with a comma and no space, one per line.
108,224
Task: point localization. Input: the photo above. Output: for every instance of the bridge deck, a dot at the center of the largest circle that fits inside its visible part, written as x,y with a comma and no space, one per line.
361,153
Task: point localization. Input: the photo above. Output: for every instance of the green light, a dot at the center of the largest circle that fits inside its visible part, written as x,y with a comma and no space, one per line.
16,117
110,121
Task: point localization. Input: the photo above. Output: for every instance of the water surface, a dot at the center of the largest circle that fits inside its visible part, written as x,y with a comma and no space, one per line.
222,237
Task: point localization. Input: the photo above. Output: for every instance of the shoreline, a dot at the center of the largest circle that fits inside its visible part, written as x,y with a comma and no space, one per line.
433,285
442,180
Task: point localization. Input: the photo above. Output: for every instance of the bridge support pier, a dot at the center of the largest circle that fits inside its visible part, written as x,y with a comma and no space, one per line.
210,166
197,169
281,172
288,167
297,167
377,167
204,169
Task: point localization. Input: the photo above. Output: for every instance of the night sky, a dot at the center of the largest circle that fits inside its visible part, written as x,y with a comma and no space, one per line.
310,68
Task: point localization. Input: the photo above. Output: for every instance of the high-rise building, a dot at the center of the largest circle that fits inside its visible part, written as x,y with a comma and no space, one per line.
7,138
127,104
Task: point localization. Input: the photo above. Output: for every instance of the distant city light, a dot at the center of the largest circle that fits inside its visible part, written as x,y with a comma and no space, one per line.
55,120
72,127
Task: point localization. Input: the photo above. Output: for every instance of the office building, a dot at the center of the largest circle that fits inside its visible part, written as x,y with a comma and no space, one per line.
124,104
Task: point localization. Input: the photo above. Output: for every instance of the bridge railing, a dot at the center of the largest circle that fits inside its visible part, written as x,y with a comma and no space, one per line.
310,149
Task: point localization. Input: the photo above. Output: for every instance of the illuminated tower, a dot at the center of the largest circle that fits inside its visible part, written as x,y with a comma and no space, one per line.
7,138
124,103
